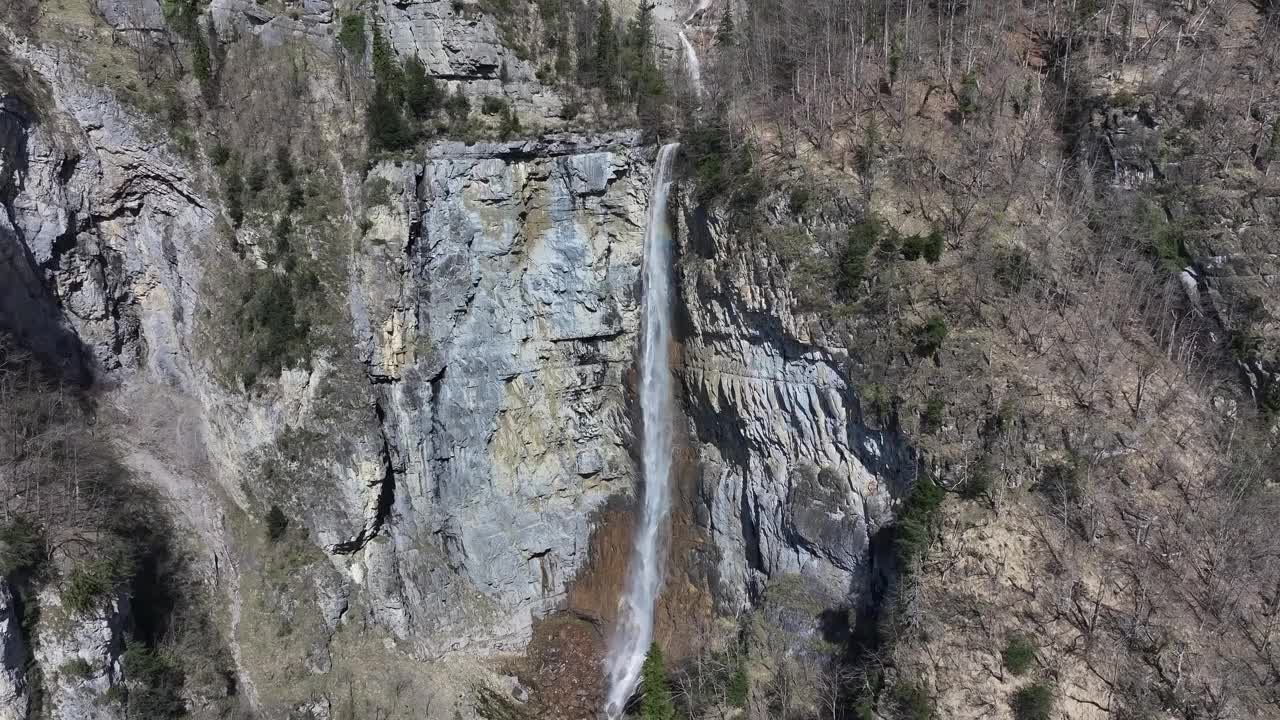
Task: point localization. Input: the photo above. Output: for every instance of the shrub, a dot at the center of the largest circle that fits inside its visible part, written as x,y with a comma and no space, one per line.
932,246
1033,702
155,684
928,247
911,701
979,483
115,695
493,105
1063,483
92,581
219,155
914,530
969,97
272,325
77,667
930,336
1124,100
931,418
1199,115
1019,654
510,123
296,200
284,165
853,260
1011,268
879,402
277,523
459,109
798,200
258,177
738,691
1169,245
22,547
351,37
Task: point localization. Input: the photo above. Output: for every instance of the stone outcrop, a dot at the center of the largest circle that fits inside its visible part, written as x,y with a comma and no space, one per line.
501,356
14,694
793,481
79,655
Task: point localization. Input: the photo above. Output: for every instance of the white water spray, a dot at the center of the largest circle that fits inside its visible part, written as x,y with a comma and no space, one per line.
634,631
695,67
690,52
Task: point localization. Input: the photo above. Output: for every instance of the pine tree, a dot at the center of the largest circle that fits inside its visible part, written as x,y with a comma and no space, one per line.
727,34
387,130
657,703
421,93
387,74
642,28
645,81
584,34
605,70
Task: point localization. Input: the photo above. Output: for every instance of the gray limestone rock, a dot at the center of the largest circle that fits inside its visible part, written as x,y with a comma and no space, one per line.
14,696
80,657
770,407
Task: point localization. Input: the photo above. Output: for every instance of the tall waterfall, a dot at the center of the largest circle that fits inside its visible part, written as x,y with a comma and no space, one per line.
690,52
634,631
695,67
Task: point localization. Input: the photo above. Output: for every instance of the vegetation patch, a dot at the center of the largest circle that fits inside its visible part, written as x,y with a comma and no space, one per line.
1033,702
1019,654
351,36
917,521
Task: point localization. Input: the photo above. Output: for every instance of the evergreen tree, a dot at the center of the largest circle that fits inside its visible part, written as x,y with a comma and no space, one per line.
510,122
459,109
421,93
387,74
657,703
387,129
644,78
584,31
605,70
726,33
642,29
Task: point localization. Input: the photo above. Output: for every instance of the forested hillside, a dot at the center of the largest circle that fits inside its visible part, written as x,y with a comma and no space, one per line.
320,329
1044,233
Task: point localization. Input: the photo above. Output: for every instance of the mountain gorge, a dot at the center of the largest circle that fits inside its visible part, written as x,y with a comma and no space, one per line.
322,327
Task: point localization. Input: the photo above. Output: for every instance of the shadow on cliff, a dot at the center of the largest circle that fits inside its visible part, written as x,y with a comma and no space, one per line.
29,312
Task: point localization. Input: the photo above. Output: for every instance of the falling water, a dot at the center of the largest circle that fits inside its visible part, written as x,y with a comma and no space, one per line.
695,67
635,609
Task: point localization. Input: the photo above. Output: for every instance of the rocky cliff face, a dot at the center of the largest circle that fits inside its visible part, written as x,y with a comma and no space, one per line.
445,460
791,478
501,358
14,696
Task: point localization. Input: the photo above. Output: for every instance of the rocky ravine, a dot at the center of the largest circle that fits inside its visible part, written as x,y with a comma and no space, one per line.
460,443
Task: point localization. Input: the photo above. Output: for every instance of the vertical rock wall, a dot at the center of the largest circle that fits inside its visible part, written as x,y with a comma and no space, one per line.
791,480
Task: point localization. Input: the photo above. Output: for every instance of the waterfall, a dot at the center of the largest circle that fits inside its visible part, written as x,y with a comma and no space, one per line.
690,52
695,67
634,630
